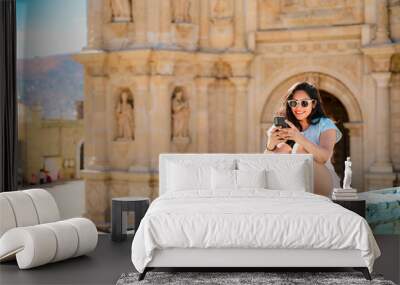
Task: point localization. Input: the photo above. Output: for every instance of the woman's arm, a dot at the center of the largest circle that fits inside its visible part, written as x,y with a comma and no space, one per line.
280,148
324,150
321,152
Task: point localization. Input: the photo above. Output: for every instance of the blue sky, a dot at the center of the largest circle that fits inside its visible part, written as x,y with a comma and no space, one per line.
49,27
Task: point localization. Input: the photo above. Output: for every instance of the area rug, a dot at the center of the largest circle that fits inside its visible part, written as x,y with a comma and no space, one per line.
243,278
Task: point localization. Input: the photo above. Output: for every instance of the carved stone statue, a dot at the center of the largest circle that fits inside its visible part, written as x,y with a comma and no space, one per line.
222,9
347,174
125,117
181,11
121,10
180,114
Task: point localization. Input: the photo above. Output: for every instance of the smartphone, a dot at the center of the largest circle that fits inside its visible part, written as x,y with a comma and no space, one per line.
279,121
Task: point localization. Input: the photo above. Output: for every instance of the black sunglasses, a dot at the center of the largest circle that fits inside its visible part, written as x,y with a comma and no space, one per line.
304,103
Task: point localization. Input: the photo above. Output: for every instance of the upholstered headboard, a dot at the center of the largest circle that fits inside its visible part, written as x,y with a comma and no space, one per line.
285,162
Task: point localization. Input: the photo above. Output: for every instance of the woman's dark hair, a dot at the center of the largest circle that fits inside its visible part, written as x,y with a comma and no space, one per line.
317,112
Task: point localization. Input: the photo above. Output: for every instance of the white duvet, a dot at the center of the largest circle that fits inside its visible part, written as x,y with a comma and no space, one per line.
253,218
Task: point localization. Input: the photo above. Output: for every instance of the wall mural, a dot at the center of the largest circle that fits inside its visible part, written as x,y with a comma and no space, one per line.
50,89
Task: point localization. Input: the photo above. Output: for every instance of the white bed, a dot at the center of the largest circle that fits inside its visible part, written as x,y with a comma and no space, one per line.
228,226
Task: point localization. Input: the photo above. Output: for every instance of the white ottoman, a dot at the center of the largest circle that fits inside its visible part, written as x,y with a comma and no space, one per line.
31,233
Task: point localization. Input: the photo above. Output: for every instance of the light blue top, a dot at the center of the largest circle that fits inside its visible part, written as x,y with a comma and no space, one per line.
313,132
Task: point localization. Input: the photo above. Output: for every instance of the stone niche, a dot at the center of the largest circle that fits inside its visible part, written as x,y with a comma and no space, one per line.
184,31
119,24
221,24
278,14
121,113
185,35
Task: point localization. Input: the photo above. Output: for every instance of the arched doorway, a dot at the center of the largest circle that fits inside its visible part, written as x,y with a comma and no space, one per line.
337,112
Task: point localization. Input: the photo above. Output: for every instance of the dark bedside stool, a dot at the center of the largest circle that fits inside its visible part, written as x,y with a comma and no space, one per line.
357,206
119,214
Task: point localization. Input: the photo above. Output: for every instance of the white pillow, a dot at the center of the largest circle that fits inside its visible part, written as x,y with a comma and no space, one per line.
251,178
236,179
282,181
282,174
190,174
183,178
223,179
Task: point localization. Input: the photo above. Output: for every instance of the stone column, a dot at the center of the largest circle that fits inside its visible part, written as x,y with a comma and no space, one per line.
140,18
250,22
356,153
204,24
94,24
95,173
381,172
202,113
382,23
395,120
160,117
378,62
142,124
239,25
241,124
395,20
98,130
153,22
165,22
382,160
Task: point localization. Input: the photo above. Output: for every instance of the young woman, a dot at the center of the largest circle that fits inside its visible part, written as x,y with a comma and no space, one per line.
311,131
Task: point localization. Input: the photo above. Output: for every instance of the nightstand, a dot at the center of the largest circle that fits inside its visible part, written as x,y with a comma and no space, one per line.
119,214
357,206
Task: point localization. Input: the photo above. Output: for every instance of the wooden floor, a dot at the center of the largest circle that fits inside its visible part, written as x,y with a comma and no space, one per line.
111,259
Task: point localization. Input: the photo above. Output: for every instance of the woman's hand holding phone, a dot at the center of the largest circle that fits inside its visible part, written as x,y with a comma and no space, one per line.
291,133
275,137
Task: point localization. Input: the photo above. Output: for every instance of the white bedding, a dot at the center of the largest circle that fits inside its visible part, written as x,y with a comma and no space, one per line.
251,218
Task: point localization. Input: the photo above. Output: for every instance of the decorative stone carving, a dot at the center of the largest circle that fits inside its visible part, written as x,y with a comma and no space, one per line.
121,10
222,70
124,112
180,114
181,11
295,13
221,18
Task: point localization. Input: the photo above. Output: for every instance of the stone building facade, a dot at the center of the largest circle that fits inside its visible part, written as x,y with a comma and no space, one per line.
207,75
55,145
